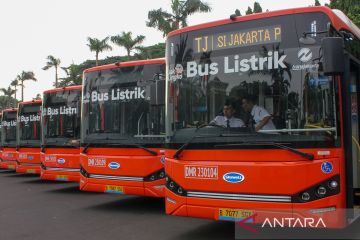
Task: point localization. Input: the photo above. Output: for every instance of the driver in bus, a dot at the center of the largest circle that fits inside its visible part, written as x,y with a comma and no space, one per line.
260,116
228,120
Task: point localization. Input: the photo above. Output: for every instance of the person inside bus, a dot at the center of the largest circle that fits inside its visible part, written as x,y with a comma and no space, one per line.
227,120
261,117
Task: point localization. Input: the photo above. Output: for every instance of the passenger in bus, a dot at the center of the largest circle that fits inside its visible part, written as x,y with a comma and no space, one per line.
228,120
261,117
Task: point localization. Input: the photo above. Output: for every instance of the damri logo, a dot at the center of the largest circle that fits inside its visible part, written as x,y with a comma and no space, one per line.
233,177
305,55
114,165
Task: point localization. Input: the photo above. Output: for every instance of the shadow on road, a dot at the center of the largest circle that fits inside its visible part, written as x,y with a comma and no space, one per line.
7,171
72,190
135,205
22,175
213,230
40,181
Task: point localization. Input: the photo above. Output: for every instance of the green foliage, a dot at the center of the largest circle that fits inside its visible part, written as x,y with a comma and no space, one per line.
125,40
180,11
55,63
98,46
350,7
317,3
257,7
249,11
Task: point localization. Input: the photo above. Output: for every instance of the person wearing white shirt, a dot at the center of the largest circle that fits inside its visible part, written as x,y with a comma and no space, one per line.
259,114
228,120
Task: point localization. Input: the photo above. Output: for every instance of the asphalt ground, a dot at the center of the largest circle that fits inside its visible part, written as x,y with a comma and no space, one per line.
34,209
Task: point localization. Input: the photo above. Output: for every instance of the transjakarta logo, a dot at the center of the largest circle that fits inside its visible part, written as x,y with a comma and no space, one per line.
116,95
272,61
305,55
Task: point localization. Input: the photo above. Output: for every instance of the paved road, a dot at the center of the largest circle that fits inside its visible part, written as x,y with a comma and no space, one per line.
31,209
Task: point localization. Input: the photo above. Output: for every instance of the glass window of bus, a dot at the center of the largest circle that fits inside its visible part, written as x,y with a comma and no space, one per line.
61,117
9,128
261,60
117,104
29,118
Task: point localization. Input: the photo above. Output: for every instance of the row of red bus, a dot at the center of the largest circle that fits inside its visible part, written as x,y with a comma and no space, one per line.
244,115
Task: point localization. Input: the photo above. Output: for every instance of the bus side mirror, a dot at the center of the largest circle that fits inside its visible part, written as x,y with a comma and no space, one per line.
333,55
157,93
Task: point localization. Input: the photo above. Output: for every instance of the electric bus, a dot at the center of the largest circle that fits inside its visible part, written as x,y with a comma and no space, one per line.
60,127
123,128
8,138
28,137
290,80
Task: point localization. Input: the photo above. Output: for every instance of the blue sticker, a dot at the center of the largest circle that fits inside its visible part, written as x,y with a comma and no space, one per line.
31,157
327,167
162,159
114,165
233,177
61,160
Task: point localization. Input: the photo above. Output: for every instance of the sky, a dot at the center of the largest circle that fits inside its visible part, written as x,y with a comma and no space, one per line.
33,29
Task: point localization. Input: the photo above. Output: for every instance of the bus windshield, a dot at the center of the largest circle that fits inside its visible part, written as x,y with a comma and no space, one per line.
61,118
9,129
255,80
29,117
123,105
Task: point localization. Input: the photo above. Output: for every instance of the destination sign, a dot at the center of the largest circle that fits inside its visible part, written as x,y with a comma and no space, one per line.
235,39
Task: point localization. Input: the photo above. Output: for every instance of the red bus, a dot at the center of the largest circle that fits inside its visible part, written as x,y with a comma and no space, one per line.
8,138
60,143
28,137
123,128
262,112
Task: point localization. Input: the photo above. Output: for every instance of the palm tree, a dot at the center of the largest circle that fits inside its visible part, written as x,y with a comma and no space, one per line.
8,94
74,76
125,40
181,10
25,76
15,84
53,62
98,46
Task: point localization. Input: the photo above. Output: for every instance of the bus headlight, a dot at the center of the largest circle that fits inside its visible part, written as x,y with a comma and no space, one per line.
333,184
305,196
321,191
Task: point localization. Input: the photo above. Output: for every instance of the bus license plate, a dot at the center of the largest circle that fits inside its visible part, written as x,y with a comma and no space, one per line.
30,171
234,214
114,189
62,178
201,172
11,166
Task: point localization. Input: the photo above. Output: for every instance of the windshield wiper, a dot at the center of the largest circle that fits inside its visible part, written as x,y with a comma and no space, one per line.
308,156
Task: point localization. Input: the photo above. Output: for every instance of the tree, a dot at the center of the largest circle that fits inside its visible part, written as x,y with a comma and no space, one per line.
25,76
350,7
53,62
180,11
249,11
125,40
15,84
98,46
74,76
257,7
8,101
317,3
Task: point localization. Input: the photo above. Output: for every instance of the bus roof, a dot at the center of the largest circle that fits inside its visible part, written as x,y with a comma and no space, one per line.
126,64
77,87
31,102
10,110
338,19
